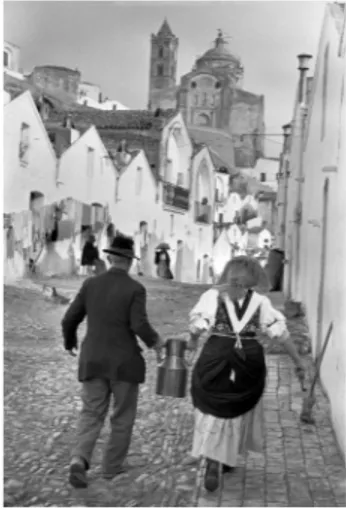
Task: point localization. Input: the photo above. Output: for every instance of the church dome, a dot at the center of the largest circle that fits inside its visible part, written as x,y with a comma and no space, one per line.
219,55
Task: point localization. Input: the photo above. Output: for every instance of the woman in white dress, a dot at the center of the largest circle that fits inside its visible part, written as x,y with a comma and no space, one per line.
229,376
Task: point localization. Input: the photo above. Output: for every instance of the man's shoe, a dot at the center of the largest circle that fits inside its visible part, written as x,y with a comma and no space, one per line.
227,469
77,477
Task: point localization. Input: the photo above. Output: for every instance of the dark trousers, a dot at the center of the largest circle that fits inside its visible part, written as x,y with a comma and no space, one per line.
96,397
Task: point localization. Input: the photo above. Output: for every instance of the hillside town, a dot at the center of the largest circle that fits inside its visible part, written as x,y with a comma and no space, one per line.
200,186
189,180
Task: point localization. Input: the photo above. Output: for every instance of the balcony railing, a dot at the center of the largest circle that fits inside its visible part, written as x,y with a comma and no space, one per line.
176,196
202,213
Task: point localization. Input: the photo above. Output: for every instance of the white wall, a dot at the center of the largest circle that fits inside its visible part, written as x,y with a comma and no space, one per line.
97,187
135,196
105,105
13,55
268,167
7,97
320,154
40,172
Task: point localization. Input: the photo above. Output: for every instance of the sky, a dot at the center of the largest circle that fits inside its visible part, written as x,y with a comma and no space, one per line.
109,42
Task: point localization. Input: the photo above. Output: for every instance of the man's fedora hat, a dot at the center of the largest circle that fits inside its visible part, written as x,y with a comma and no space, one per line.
123,247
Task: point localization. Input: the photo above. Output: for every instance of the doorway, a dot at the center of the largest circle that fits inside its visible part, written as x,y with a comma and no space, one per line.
324,240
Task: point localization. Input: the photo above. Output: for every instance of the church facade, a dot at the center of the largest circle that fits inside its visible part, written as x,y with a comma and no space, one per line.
211,96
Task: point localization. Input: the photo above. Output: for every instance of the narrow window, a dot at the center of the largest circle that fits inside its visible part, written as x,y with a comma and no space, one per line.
139,178
324,91
160,70
172,225
263,177
169,166
160,52
24,144
90,162
6,59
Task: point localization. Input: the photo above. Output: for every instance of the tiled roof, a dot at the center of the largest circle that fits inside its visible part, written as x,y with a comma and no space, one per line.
135,142
15,87
220,163
220,145
141,120
216,159
57,68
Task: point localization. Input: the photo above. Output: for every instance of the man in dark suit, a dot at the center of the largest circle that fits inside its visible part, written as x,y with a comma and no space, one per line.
110,361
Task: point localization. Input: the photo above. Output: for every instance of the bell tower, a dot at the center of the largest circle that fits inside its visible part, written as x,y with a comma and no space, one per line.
163,69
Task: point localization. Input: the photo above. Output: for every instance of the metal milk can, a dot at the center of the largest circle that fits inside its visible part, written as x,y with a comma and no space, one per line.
172,373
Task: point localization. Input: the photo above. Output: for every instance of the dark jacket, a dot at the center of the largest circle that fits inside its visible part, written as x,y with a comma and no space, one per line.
90,254
115,307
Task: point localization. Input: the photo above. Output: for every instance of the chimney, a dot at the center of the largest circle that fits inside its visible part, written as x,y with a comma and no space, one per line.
303,67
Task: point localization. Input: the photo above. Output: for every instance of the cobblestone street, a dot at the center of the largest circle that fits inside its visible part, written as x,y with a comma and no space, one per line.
301,465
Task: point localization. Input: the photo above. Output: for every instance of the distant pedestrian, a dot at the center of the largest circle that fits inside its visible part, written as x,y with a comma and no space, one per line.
110,362
163,262
90,255
229,376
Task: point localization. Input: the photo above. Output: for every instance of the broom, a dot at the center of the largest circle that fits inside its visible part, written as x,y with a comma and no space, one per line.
309,400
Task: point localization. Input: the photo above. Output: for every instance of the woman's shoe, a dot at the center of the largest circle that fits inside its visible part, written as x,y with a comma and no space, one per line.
211,479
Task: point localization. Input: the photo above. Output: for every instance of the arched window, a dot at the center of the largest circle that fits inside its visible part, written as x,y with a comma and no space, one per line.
160,70
160,52
324,91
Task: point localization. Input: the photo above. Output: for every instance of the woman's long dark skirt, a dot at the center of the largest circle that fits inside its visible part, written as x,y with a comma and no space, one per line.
212,389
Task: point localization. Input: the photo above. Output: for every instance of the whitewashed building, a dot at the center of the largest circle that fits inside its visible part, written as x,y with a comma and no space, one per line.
135,193
176,181
29,159
265,171
315,230
29,176
86,172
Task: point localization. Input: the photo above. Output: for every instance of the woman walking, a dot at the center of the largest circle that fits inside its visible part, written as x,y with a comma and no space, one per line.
229,377
163,262
90,255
